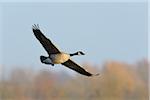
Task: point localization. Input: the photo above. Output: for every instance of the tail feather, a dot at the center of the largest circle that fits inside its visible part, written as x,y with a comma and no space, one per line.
42,58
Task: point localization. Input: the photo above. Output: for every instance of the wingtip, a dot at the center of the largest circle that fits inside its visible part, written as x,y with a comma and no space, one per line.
95,74
35,27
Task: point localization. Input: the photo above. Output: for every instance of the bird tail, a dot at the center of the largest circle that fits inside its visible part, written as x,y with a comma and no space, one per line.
42,58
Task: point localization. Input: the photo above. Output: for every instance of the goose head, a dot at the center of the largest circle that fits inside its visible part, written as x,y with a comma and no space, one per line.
80,53
77,53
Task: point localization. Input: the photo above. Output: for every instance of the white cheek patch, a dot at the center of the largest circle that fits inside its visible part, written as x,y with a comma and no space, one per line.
79,54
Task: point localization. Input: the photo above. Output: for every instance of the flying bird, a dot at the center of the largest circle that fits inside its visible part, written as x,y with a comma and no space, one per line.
55,56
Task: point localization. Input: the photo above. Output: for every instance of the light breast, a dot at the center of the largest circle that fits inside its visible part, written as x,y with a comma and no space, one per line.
59,58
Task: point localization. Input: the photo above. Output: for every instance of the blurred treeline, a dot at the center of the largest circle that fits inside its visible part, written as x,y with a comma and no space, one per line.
117,81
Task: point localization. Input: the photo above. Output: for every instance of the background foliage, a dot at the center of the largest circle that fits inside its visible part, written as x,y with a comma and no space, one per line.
117,81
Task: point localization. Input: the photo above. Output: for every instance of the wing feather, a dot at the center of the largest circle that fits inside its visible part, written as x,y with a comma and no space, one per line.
72,65
46,43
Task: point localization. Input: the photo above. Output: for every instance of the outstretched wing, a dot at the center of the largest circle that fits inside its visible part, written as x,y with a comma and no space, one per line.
46,43
72,65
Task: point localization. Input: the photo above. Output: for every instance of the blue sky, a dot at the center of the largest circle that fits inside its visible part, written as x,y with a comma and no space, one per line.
104,31
74,1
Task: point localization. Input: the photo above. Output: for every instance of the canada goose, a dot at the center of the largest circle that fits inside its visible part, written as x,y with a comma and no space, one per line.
55,56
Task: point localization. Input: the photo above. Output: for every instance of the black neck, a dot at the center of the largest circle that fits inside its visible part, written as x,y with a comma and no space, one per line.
73,54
